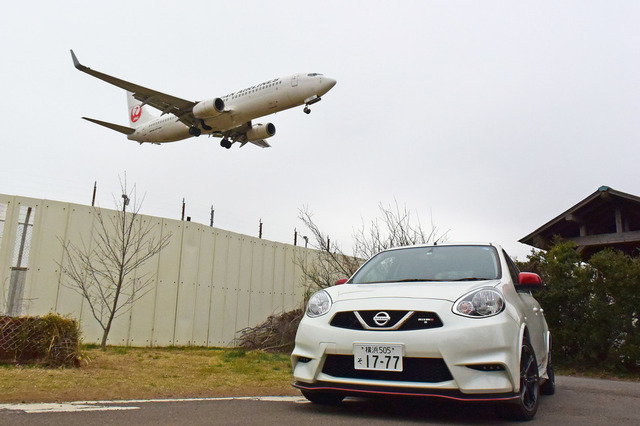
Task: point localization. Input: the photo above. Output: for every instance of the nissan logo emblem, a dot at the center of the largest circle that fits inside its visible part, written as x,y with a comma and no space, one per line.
381,318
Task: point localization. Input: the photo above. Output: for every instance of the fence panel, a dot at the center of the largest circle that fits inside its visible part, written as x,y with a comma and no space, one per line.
204,281
231,288
260,296
50,228
167,288
142,313
218,291
188,285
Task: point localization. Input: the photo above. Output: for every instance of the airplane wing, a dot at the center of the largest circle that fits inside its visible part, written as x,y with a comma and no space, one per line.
168,104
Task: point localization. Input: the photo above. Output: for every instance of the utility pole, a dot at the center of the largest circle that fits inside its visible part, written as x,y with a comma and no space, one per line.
211,219
260,229
93,199
183,205
295,237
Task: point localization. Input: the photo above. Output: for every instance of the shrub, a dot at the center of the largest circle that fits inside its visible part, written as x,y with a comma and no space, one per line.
51,340
592,308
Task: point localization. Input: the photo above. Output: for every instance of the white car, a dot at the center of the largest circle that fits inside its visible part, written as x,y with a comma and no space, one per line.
450,321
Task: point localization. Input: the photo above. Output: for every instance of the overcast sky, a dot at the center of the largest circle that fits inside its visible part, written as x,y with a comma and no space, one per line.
487,118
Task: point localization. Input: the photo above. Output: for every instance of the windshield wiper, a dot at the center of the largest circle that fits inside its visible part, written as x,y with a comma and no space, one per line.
433,280
473,279
408,280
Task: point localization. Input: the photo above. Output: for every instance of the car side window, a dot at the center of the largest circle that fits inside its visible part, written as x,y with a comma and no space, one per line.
513,269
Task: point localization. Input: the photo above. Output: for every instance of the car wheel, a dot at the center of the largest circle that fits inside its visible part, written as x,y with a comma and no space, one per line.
324,398
549,386
525,407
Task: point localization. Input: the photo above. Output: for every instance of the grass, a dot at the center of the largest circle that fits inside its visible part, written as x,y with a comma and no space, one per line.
141,373
146,373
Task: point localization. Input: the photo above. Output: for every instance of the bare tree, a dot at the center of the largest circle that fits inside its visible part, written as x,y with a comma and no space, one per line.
103,270
329,263
394,227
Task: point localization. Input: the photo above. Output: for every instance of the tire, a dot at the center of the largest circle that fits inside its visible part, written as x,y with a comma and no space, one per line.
526,406
323,398
549,386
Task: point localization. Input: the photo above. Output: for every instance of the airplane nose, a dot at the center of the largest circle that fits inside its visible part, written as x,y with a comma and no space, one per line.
327,84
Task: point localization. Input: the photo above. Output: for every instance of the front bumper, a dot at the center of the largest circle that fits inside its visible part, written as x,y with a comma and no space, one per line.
475,359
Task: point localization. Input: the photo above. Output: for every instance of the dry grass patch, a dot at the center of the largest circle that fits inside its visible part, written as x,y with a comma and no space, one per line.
140,373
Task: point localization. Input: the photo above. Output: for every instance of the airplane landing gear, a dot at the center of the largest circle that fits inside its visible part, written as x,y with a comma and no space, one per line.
225,143
194,131
310,101
205,126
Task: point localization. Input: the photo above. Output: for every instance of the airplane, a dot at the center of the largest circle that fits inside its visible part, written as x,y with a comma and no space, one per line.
228,117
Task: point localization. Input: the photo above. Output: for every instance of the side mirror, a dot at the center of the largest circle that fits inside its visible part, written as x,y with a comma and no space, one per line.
342,281
529,281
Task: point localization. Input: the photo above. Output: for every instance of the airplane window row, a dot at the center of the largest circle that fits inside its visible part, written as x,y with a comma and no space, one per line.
253,89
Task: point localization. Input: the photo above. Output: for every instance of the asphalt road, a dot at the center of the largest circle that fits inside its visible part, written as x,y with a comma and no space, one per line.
578,401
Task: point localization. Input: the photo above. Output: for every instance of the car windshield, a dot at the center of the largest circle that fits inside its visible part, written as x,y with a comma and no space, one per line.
437,263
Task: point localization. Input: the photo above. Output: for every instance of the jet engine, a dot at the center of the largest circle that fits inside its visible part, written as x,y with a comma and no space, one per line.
261,131
209,108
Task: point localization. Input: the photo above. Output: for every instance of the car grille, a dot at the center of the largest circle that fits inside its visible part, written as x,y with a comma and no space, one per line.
417,320
426,370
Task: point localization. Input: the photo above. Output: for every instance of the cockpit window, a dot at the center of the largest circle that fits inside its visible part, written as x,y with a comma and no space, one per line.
314,74
438,263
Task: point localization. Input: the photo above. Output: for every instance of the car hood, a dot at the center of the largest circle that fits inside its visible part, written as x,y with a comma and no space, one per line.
450,291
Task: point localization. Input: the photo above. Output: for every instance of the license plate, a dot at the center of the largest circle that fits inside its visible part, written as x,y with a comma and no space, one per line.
377,357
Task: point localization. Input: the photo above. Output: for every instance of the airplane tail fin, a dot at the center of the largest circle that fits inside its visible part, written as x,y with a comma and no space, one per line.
138,114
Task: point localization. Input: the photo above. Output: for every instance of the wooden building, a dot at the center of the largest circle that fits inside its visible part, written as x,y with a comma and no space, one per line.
606,218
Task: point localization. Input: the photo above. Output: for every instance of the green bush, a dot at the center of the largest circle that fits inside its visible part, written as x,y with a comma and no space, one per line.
52,340
592,308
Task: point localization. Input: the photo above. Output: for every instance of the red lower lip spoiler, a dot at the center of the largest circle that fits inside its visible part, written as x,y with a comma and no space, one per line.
388,391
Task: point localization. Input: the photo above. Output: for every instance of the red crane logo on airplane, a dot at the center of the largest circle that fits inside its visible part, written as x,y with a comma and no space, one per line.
136,112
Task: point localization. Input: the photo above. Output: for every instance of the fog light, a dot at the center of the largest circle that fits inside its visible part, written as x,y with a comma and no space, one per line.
487,367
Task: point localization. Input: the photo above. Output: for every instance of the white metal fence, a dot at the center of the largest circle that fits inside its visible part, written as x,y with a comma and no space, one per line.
208,284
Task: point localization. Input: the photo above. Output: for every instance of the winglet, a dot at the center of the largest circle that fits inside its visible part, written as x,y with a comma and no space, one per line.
77,63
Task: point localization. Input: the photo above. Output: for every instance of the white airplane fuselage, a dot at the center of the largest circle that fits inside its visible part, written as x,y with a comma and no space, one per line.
241,107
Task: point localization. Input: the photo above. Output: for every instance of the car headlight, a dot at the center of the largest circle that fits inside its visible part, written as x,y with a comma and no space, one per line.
319,304
481,303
